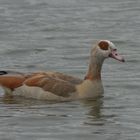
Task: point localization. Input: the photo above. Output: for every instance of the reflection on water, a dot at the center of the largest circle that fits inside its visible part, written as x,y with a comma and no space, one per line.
94,107
24,101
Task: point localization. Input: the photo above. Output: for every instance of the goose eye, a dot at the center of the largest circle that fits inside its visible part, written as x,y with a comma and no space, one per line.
103,45
114,49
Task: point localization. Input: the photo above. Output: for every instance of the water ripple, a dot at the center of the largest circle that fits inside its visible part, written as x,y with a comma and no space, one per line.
57,35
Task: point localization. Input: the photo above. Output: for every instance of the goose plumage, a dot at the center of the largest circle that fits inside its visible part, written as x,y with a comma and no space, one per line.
58,86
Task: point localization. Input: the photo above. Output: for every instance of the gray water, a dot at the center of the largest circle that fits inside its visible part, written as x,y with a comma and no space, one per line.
57,35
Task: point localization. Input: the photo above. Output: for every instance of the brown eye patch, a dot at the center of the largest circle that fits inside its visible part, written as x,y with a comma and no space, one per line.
103,45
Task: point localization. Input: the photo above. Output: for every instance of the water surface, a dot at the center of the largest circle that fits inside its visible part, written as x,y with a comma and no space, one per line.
57,35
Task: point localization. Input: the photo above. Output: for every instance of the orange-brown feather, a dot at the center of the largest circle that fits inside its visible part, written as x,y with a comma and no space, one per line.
11,82
103,45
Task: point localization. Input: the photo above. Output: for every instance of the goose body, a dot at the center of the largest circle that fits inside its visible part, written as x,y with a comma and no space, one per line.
58,86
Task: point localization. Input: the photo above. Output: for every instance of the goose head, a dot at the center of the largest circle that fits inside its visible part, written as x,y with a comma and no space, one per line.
101,50
105,49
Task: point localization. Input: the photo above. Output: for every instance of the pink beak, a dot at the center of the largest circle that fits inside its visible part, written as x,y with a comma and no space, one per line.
116,56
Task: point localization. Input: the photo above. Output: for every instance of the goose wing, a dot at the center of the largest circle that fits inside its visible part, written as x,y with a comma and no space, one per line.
11,79
56,83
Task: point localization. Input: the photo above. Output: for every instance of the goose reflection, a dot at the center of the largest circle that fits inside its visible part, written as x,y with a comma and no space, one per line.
94,113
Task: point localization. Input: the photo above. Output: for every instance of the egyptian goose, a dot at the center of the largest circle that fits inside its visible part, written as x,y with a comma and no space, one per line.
58,86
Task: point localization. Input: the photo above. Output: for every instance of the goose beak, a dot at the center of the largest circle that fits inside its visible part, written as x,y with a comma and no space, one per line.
114,54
